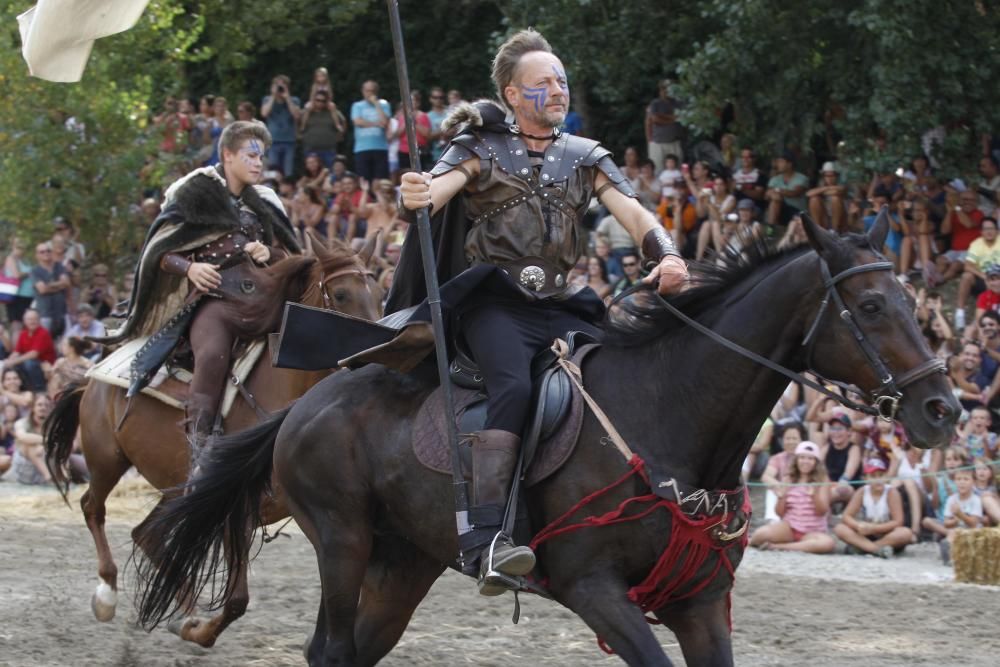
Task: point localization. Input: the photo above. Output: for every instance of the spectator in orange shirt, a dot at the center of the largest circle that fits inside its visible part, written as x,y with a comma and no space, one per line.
680,207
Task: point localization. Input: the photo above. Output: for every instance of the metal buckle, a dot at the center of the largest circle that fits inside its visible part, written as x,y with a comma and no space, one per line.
887,405
533,278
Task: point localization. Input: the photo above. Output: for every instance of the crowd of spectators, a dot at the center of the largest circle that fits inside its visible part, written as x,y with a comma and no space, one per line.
336,168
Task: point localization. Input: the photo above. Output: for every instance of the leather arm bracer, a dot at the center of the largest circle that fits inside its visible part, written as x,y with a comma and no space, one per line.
175,264
656,245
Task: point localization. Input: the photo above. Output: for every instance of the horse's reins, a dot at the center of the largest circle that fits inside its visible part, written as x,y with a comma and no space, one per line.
886,397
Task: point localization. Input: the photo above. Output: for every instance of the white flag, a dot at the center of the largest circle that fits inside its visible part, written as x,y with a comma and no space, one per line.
57,35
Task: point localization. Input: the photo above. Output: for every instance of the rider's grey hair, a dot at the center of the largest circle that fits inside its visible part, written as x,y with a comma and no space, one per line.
509,55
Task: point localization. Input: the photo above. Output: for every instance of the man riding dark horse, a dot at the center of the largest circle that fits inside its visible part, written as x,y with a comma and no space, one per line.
517,188
212,219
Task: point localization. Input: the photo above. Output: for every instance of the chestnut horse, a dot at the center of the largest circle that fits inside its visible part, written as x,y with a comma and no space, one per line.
337,278
383,525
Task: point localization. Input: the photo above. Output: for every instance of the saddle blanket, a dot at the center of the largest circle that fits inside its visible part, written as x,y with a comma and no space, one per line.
170,384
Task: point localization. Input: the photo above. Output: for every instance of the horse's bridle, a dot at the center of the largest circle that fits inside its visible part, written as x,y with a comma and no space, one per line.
888,394
885,398
324,280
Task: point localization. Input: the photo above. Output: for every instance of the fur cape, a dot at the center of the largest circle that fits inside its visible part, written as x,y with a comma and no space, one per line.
197,210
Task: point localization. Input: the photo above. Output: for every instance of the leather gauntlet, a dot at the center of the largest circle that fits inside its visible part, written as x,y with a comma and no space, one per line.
175,263
656,245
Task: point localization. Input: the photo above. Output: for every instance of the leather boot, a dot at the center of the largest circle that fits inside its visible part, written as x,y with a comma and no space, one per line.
494,457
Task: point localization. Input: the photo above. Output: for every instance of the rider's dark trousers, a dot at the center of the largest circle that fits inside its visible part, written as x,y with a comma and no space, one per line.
504,336
212,337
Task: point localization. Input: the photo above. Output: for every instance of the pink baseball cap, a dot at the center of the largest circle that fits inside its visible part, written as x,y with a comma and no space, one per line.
807,448
875,465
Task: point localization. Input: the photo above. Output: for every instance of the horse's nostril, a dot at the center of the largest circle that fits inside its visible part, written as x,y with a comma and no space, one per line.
939,410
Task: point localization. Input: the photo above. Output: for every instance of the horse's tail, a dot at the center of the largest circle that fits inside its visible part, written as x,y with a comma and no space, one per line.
59,432
188,541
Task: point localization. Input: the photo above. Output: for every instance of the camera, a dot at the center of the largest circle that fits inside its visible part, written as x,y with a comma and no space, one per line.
732,217
282,89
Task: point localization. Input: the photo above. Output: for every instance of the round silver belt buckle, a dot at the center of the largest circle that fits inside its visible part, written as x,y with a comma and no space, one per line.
532,277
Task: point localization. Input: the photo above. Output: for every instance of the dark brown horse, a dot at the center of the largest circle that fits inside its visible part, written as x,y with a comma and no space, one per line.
152,438
383,526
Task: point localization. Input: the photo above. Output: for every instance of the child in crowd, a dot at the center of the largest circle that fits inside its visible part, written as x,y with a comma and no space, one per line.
963,509
985,486
955,457
803,506
975,435
8,417
670,175
873,520
777,468
907,471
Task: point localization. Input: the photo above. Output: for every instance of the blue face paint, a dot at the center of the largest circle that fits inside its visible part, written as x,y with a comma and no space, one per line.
256,147
537,95
561,79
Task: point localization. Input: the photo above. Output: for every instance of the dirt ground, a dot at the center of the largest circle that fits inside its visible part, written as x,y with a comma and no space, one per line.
789,609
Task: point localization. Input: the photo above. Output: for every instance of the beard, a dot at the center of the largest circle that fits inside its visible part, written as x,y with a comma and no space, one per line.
549,117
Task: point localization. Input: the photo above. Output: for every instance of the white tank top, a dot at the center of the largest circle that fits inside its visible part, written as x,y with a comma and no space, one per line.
876,511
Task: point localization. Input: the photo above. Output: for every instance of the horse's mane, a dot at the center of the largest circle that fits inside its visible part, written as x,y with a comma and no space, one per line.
638,317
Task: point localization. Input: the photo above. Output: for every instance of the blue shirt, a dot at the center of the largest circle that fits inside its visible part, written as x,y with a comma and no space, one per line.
369,138
573,123
436,117
895,238
280,122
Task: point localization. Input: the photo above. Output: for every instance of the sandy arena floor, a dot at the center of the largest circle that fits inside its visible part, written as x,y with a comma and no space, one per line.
789,609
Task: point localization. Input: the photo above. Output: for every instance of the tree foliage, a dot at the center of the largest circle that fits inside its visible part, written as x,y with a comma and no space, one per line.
862,79
874,75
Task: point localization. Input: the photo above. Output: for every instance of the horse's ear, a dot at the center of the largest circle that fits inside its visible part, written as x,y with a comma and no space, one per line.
368,249
820,239
880,230
318,246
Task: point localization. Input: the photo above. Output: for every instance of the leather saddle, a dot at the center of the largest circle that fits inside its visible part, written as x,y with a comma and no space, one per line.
552,427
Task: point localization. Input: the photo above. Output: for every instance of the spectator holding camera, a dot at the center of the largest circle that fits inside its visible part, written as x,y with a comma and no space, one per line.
714,205
174,127
100,294
322,128
963,220
281,111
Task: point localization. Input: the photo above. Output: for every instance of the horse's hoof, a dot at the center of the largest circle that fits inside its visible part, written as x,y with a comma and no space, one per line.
103,602
187,629
176,626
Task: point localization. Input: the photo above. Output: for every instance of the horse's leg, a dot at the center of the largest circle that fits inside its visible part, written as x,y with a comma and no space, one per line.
702,629
342,539
205,633
600,599
107,464
397,579
103,478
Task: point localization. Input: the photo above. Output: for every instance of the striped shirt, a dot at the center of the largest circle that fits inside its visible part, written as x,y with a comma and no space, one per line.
800,511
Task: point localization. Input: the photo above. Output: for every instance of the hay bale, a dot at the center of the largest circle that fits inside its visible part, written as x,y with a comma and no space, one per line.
976,555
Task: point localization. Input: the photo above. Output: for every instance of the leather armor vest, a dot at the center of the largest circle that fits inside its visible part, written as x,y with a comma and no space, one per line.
520,206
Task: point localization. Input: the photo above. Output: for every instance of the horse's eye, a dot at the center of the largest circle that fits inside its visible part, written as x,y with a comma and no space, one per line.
340,295
870,307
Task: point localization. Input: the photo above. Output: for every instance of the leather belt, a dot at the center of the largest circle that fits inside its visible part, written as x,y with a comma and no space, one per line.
538,277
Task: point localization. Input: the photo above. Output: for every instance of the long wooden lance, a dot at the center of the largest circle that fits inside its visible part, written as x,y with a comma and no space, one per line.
431,279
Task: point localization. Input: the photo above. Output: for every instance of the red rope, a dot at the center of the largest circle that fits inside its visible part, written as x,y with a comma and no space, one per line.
687,550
